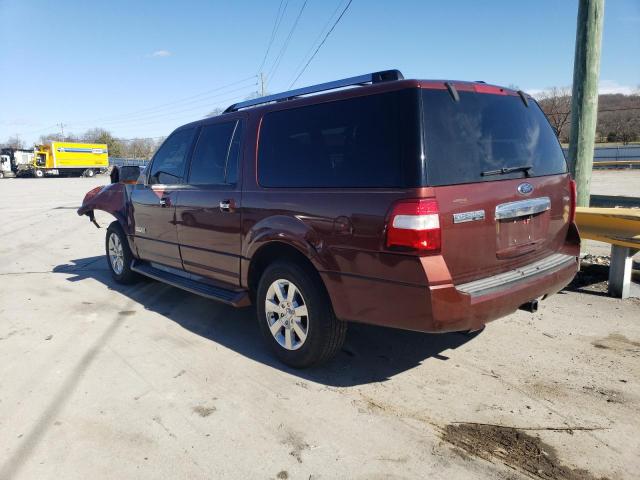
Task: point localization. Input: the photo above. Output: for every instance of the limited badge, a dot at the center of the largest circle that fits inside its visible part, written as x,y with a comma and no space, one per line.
468,216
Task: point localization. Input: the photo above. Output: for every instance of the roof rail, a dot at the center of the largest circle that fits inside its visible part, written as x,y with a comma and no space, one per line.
376,77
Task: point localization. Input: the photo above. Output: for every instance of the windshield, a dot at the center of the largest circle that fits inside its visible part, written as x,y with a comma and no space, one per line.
486,137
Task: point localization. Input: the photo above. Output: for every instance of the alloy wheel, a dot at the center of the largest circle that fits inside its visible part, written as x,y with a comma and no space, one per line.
287,316
116,254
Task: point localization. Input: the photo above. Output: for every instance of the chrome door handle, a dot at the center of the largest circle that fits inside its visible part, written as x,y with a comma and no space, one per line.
225,205
163,202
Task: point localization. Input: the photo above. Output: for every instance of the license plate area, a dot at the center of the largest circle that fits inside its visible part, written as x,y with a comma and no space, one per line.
521,227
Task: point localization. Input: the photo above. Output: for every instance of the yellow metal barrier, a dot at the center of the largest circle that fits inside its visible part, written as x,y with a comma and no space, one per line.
615,163
619,227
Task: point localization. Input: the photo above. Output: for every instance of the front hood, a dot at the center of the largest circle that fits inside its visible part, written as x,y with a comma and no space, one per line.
112,198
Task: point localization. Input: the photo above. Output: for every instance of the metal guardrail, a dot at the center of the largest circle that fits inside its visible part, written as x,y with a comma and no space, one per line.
119,161
619,227
626,156
624,152
616,164
614,201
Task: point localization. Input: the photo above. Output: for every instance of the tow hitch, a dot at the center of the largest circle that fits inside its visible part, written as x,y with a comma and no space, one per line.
531,307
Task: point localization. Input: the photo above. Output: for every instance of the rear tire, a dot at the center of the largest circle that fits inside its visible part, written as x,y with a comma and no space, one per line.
295,316
89,173
38,173
119,256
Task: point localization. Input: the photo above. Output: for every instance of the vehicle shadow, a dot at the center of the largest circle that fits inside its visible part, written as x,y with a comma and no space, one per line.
370,354
592,279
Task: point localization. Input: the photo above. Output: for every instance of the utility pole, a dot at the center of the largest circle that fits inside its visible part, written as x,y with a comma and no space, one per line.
261,84
584,103
62,125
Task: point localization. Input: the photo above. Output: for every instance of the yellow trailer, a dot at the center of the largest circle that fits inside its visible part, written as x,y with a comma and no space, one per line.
69,158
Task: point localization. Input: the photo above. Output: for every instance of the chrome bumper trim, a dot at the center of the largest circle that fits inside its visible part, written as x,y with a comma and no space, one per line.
522,208
483,285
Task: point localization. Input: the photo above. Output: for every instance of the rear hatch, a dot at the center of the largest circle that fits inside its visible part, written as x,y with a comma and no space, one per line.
499,176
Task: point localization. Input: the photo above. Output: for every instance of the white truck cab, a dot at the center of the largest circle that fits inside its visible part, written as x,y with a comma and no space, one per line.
5,167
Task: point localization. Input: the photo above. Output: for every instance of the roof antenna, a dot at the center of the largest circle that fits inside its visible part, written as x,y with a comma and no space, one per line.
452,91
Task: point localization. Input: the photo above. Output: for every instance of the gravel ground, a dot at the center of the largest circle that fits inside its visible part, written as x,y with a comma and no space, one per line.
103,381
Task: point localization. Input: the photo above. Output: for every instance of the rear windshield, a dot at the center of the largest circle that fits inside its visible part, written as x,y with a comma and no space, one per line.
369,141
484,133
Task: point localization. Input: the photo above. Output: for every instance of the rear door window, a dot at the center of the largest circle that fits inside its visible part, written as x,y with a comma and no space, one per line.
169,161
214,160
483,133
370,141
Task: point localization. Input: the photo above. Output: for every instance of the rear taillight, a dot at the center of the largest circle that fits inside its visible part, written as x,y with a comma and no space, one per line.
414,225
573,199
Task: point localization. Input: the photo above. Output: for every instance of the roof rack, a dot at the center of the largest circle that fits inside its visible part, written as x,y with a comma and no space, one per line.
376,77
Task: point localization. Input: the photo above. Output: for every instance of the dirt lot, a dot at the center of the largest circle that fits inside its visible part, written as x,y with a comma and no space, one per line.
102,381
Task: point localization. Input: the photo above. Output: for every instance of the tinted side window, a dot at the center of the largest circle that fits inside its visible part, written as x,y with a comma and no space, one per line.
371,141
209,161
169,161
234,155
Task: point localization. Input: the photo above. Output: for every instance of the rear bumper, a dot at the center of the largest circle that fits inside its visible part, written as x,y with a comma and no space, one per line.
442,306
462,308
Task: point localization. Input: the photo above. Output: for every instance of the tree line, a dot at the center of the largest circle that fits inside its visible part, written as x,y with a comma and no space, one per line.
618,115
618,121
140,148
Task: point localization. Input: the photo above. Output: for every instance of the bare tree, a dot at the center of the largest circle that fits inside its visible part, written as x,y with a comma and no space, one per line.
215,112
556,104
620,126
15,142
142,148
55,137
100,135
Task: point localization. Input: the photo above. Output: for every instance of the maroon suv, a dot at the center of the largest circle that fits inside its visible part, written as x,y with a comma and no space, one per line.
432,206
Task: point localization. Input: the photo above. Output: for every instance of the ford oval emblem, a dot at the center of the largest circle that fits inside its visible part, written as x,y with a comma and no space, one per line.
525,188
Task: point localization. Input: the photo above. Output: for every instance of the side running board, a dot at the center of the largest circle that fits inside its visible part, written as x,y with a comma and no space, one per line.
230,297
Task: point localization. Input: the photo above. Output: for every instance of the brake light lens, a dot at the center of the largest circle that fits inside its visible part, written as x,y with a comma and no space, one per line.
415,225
573,199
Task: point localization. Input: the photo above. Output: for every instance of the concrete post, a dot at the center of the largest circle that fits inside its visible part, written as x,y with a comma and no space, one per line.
584,103
620,271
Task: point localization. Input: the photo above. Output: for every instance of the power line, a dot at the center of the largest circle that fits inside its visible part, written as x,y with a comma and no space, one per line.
285,45
276,25
202,95
144,116
322,43
317,39
189,117
188,99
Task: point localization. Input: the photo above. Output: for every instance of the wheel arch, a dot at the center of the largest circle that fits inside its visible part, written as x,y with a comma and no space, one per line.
274,251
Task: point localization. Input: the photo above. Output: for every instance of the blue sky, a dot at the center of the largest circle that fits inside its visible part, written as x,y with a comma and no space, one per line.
142,68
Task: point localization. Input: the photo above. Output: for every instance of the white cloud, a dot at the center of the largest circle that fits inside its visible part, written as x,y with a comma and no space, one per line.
535,92
604,87
611,86
161,53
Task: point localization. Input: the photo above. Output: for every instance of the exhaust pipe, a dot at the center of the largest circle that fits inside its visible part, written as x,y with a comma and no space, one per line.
531,307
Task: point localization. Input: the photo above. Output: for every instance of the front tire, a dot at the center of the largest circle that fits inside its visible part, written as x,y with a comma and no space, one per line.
89,173
295,316
119,256
38,173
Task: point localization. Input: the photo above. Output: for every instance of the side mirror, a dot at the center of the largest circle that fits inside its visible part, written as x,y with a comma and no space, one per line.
125,174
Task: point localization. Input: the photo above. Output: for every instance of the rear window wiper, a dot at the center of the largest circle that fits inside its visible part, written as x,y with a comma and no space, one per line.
505,170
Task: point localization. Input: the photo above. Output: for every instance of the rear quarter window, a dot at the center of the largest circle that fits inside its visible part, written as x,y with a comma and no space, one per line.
485,132
370,141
